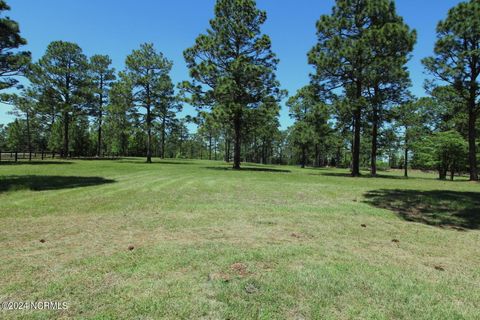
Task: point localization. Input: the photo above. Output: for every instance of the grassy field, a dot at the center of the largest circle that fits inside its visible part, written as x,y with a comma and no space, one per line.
195,240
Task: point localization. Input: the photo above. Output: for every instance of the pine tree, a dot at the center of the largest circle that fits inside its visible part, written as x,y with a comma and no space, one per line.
61,76
355,42
148,72
232,65
12,61
101,75
457,63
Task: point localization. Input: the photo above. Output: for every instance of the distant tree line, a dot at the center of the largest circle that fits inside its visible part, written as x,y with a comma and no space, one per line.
356,112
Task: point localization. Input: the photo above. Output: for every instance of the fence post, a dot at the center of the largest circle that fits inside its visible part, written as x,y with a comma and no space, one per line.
42,154
16,156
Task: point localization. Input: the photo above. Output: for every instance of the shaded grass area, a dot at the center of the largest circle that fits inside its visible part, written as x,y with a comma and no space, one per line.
434,207
176,241
250,168
41,183
347,174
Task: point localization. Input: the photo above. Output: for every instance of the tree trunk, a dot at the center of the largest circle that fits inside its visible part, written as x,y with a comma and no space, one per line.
373,156
357,127
100,116
99,150
405,161
442,173
162,152
238,141
356,143
209,147
29,138
149,136
337,157
215,142
304,156
264,153
227,149
472,152
66,119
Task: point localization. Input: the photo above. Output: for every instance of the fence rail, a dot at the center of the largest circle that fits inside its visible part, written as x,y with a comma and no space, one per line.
15,156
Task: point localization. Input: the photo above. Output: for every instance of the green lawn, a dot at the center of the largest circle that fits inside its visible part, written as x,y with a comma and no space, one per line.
266,242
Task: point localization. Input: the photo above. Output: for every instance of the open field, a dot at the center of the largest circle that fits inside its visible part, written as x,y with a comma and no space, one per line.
266,242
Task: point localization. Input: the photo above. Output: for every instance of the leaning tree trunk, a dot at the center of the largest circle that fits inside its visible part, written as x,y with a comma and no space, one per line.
472,152
238,141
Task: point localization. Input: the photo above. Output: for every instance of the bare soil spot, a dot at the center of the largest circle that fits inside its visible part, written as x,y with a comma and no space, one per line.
239,268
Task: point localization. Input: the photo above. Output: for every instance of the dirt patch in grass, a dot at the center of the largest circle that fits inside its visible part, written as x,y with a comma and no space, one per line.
239,269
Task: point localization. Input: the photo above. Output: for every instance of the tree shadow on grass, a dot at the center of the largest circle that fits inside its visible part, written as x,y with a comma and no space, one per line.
98,158
348,175
33,163
173,162
41,183
249,169
154,162
442,208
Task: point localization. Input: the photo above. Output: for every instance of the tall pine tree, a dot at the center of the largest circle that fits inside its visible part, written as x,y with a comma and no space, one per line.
62,76
101,75
232,65
354,42
148,73
457,63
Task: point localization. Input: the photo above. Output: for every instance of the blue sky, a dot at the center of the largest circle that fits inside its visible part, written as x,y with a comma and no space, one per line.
116,27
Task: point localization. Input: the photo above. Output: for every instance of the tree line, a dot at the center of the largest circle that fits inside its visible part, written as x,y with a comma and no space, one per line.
357,111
